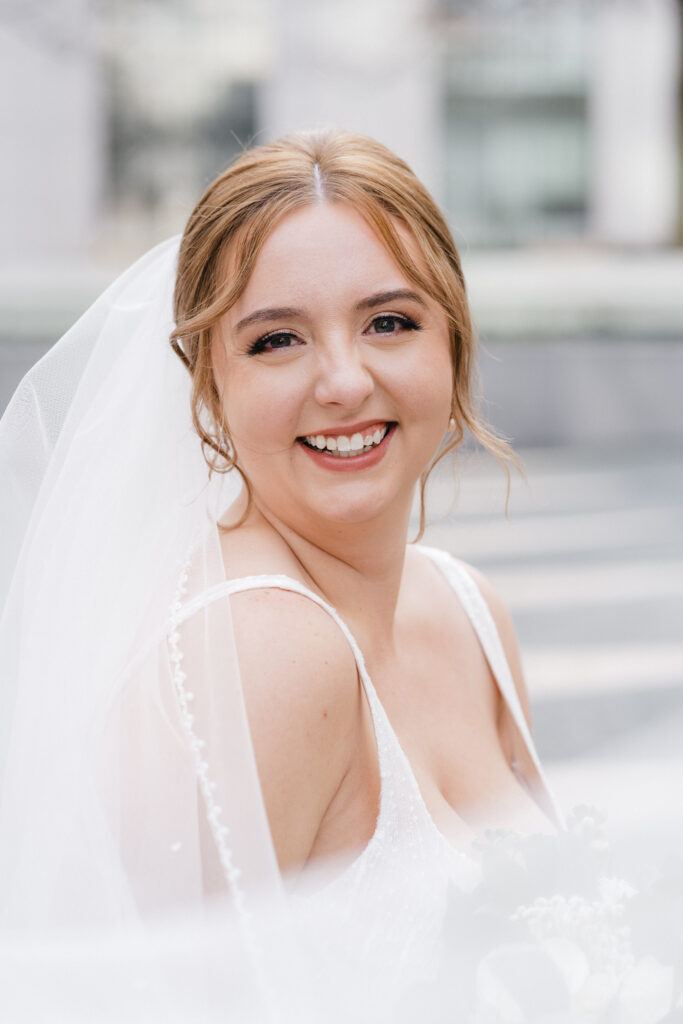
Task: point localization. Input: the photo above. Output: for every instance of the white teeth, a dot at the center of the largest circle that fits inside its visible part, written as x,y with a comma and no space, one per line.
344,446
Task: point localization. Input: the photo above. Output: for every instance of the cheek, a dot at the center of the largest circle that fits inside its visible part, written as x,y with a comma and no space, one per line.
258,424
429,394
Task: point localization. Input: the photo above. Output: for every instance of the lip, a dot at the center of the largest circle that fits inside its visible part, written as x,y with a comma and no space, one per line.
347,429
364,461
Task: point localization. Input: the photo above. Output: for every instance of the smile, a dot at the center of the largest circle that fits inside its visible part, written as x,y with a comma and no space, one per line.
346,446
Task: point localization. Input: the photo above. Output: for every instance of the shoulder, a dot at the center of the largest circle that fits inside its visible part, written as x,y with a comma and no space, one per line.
495,603
302,697
457,571
290,648
505,628
499,613
284,629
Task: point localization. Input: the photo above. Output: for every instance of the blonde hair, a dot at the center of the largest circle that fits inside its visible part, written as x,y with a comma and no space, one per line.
239,210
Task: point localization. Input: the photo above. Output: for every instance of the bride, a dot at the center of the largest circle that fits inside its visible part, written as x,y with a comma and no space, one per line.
321,312
217,681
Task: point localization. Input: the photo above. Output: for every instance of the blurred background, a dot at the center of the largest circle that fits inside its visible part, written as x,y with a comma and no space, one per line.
551,132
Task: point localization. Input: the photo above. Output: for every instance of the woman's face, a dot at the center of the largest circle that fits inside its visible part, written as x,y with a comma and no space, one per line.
335,373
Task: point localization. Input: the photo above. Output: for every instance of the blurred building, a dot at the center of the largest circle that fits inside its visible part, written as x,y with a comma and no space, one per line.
533,120
563,122
53,131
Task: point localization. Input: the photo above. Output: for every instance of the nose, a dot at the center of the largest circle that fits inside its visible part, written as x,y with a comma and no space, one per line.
343,378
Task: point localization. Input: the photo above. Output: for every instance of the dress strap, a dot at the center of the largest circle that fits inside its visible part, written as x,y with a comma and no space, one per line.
484,626
279,581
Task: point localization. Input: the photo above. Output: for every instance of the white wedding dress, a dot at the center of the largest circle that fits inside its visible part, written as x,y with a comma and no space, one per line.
380,918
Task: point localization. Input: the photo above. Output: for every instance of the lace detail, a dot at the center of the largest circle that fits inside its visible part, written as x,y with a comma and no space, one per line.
214,812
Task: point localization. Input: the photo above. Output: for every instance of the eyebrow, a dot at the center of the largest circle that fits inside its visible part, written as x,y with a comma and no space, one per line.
276,313
283,312
380,298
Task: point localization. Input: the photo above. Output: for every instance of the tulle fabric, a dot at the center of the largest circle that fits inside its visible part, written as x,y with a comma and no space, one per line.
129,787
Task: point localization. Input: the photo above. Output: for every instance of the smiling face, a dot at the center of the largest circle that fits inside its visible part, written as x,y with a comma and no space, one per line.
334,372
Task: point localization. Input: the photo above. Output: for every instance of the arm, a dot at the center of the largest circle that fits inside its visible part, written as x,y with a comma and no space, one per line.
302,696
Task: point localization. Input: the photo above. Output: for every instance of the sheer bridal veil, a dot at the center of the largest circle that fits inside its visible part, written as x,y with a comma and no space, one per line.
129,787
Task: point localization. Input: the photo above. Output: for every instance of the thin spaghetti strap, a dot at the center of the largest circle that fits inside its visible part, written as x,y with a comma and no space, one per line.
484,626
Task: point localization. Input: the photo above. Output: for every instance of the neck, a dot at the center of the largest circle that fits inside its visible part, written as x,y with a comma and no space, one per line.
357,567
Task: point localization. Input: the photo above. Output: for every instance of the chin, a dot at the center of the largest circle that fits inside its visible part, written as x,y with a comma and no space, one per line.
354,509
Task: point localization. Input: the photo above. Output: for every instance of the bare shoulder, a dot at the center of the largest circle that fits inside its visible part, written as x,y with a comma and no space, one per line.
302,696
495,602
506,630
284,629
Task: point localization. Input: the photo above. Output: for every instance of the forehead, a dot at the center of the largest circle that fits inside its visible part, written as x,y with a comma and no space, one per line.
321,250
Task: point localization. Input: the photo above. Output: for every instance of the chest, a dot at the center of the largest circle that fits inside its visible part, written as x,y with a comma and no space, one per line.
445,708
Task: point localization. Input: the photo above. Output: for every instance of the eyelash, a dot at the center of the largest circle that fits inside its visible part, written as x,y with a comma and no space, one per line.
406,323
